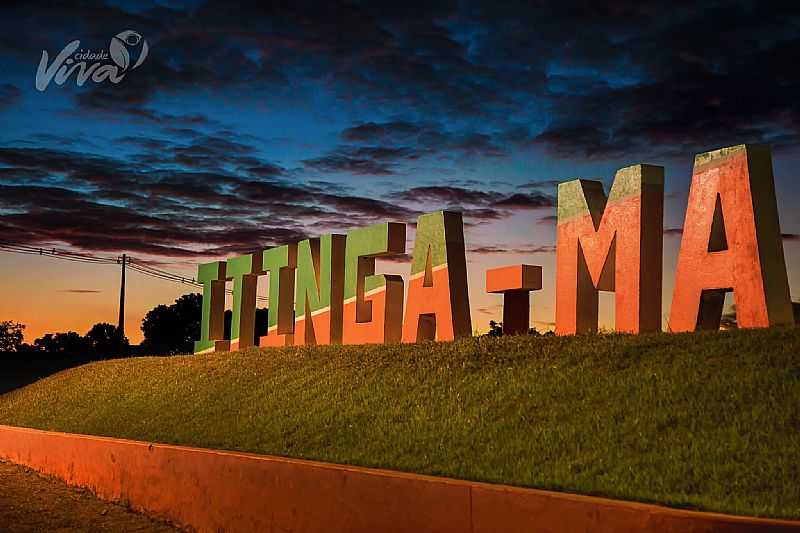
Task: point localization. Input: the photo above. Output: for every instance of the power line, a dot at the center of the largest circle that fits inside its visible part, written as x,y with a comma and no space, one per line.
55,253
148,270
132,263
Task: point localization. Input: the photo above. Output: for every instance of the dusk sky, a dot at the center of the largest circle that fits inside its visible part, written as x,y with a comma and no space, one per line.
248,125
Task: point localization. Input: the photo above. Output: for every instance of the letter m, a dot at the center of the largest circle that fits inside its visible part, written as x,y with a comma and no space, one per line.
610,244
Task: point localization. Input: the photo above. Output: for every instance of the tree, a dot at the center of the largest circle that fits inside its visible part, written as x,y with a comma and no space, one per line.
65,344
495,329
105,340
173,329
10,336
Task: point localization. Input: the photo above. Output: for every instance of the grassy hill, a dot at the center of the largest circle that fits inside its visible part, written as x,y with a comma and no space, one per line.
709,421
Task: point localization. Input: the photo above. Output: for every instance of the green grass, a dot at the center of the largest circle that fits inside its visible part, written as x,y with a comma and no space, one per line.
707,421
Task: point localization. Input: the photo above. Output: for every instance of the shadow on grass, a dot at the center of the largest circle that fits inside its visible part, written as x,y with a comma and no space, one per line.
19,370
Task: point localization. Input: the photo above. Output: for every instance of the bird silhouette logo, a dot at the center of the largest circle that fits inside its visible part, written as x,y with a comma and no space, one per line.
126,44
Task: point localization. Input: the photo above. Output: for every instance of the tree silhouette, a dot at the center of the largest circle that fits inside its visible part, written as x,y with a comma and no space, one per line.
64,344
495,329
10,336
105,340
172,329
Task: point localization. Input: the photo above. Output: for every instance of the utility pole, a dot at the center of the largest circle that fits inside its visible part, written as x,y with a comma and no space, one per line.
121,324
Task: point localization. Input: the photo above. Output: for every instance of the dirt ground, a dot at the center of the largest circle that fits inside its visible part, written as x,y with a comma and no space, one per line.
31,502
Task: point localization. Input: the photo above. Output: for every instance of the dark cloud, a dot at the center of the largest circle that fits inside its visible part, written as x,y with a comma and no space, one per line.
172,207
460,196
448,194
670,232
543,185
525,201
477,206
676,89
493,250
381,149
422,139
81,291
9,94
600,81
363,160
447,82
490,309
392,131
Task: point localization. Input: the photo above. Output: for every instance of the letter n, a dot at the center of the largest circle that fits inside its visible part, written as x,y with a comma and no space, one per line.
320,287
610,244
373,305
212,319
438,301
731,242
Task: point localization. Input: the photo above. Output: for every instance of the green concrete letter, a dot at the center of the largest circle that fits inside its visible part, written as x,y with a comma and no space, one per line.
212,323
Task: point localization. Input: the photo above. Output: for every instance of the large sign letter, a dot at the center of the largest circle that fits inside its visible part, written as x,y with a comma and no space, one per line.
244,270
515,283
731,242
279,263
373,305
212,321
320,286
610,245
438,301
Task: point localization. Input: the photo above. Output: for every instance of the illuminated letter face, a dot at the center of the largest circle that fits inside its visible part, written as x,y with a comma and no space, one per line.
212,322
320,286
612,244
515,284
438,302
244,270
731,242
373,305
279,263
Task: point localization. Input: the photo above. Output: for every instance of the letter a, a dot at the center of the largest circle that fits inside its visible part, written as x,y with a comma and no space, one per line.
438,301
731,242
612,244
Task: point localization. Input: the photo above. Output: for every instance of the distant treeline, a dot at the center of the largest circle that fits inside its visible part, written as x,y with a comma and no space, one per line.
167,329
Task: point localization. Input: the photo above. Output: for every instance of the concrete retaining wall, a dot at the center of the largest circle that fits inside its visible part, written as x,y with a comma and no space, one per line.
224,491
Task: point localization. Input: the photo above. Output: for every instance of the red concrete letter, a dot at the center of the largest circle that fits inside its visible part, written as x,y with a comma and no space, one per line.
438,301
610,245
373,305
515,284
731,242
